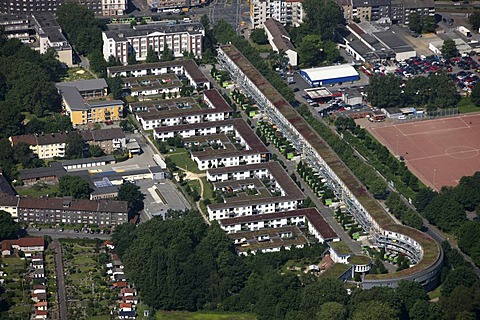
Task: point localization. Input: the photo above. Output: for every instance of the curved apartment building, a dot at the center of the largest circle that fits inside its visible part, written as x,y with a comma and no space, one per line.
420,248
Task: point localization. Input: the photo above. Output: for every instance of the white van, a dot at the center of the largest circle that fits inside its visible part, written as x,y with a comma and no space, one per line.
402,117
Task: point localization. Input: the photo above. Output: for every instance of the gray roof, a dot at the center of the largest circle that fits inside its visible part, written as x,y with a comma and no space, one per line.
102,134
105,190
109,158
73,98
122,32
370,3
85,85
5,186
42,173
281,38
393,41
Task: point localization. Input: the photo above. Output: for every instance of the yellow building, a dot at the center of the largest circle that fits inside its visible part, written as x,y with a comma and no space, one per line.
87,101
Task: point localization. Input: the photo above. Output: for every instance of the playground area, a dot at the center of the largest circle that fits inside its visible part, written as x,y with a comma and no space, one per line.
439,151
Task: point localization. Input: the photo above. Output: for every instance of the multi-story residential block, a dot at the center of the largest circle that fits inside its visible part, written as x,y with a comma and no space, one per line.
274,190
185,68
99,7
401,9
16,26
160,113
309,217
109,140
114,7
49,35
166,85
220,143
46,146
86,101
280,41
71,211
287,12
121,41
365,10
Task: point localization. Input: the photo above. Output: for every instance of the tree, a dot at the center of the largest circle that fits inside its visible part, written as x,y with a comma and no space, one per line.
410,292
75,148
24,155
95,151
131,193
320,292
424,310
415,22
132,58
115,85
445,212
384,91
449,49
322,17
332,311
309,50
429,24
205,22
474,19
123,237
374,310
258,36
475,96
74,186
152,56
167,54
423,198
8,226
460,276
97,63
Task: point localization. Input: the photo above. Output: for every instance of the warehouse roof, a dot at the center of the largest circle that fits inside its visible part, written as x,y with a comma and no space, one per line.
331,72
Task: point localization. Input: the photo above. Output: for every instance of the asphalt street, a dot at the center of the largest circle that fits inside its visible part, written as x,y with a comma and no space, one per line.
60,276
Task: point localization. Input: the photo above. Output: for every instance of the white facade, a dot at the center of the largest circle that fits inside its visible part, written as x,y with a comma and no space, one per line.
114,7
121,44
287,12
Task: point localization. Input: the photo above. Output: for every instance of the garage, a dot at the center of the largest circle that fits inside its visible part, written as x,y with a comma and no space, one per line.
329,75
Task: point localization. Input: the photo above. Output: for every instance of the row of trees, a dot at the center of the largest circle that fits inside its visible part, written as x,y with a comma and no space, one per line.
421,24
447,210
181,264
431,92
224,33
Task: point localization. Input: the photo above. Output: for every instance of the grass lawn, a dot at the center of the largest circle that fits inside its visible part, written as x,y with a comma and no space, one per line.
465,105
100,318
79,73
37,192
262,47
177,315
182,159
195,185
435,294
207,189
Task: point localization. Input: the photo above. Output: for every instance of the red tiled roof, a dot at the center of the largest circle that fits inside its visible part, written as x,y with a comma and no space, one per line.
120,284
30,242
125,305
41,304
128,290
40,312
7,244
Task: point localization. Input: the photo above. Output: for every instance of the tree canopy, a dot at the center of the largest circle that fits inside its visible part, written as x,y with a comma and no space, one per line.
449,49
8,226
258,36
131,193
74,186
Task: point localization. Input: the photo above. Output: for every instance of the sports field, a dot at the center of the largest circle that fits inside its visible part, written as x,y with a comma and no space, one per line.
440,151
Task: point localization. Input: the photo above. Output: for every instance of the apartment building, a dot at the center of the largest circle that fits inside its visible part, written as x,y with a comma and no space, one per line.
16,26
99,7
121,41
287,12
218,143
109,140
310,217
86,101
71,211
391,11
280,41
46,146
166,85
276,191
186,69
49,35
160,113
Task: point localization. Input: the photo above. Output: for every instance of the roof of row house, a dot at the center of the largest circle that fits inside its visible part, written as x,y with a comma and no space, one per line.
431,251
281,38
23,242
40,139
103,134
312,215
292,191
189,65
73,204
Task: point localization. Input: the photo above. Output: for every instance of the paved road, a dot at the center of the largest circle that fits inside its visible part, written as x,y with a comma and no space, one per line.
56,234
60,276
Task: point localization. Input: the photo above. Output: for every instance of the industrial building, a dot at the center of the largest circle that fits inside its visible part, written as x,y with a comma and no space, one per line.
326,75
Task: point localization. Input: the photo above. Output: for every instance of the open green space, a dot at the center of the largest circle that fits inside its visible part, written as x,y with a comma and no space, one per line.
100,318
465,105
182,159
207,189
177,315
38,191
75,74
195,185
